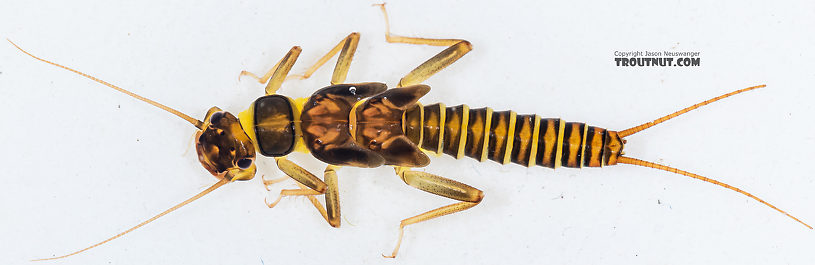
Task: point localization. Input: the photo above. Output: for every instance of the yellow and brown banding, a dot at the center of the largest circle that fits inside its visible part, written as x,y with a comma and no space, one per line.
504,136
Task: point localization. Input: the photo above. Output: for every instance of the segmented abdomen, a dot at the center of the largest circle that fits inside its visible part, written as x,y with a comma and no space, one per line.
504,136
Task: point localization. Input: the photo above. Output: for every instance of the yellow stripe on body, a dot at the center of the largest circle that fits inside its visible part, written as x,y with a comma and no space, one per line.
247,120
465,121
583,146
533,153
559,143
421,124
510,137
487,125
297,108
442,121
603,152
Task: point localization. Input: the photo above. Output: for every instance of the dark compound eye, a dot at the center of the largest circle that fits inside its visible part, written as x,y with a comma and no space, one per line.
215,117
244,163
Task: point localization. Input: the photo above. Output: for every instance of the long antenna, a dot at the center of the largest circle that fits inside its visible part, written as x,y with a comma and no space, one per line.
192,120
647,125
637,162
193,198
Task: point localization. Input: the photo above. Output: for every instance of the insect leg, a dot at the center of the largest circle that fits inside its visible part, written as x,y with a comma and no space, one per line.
290,192
441,186
347,47
269,182
313,185
457,48
277,74
310,186
261,79
332,197
331,211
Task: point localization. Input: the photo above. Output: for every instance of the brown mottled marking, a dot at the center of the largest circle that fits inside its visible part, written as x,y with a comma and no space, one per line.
274,125
476,125
432,127
414,123
612,149
498,136
504,137
453,129
222,145
378,127
326,130
549,135
522,146
595,138
573,144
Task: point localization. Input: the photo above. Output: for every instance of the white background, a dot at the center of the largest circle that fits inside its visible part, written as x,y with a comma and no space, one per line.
82,162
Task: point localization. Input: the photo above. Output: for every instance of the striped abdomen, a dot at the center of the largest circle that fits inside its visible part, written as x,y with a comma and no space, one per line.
505,137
